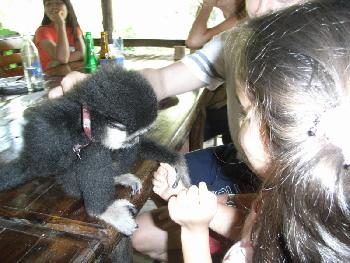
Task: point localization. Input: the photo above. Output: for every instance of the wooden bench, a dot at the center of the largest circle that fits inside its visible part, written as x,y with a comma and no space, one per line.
10,57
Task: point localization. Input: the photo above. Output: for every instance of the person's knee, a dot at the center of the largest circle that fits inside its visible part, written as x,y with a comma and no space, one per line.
139,237
141,243
148,239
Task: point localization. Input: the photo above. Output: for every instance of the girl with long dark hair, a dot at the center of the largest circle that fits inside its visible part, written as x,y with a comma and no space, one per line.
59,38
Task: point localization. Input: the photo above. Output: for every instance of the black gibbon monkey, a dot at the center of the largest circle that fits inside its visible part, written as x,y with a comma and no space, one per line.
90,139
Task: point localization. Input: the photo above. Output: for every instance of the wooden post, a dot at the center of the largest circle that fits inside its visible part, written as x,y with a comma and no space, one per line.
107,15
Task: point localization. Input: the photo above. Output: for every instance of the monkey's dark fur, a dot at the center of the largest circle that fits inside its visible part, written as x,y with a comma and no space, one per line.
112,95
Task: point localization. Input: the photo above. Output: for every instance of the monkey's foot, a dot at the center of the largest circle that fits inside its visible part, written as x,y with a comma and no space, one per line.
120,214
129,180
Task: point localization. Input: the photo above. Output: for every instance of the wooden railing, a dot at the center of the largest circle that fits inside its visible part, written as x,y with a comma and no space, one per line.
138,42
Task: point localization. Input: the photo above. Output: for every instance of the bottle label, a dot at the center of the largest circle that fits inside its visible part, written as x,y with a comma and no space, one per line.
37,68
120,60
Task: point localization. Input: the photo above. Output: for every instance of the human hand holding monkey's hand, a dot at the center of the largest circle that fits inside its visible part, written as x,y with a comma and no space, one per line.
194,208
163,180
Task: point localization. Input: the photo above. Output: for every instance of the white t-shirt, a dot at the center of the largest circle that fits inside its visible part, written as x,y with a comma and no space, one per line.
239,253
214,65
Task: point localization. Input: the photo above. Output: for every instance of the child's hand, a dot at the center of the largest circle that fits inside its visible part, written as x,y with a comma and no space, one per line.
209,3
194,208
58,16
163,179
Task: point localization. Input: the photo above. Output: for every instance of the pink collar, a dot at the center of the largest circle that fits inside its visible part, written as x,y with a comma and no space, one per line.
86,123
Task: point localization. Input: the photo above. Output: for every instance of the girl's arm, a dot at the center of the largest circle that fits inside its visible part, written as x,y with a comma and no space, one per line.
227,221
79,52
62,45
162,80
200,33
193,209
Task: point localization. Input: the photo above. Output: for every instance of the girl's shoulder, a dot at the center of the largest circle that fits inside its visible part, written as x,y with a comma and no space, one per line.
44,28
51,25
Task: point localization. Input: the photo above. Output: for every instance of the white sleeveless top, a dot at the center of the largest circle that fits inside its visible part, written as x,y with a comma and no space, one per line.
240,252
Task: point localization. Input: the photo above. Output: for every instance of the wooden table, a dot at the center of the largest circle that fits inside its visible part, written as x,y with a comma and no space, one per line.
39,223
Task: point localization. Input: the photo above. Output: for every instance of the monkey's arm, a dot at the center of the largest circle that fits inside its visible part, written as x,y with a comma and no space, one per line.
151,150
95,174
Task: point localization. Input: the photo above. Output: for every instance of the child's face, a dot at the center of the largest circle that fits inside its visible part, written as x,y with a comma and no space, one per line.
53,7
251,136
261,7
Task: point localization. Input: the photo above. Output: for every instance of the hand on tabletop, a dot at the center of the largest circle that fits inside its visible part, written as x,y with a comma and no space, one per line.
194,208
163,179
67,84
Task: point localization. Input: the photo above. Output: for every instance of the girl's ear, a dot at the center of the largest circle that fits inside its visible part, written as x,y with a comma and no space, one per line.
254,143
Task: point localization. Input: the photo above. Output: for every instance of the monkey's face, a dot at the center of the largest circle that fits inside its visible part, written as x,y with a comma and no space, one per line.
116,136
122,105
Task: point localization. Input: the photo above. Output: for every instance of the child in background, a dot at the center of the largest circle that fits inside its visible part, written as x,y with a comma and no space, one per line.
59,38
293,78
216,109
232,10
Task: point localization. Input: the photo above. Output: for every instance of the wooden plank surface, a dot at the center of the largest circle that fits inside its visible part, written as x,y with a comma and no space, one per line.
148,42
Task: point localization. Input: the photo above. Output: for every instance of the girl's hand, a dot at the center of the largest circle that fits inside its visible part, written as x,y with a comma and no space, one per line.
62,16
209,3
194,208
59,16
163,179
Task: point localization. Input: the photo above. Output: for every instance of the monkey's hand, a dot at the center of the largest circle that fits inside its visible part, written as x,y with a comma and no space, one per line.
182,173
163,181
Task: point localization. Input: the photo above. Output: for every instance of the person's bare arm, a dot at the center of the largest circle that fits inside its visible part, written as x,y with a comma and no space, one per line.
227,221
200,33
79,52
233,216
193,209
172,80
67,83
168,81
62,46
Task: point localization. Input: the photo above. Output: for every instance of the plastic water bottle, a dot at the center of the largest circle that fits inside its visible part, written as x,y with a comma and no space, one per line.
33,72
118,48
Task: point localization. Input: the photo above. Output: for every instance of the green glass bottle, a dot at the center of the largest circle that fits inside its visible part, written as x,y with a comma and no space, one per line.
90,59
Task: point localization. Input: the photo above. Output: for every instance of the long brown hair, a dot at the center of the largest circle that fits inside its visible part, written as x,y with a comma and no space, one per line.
295,69
71,19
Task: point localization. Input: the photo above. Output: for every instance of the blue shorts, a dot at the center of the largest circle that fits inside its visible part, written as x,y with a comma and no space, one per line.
219,168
